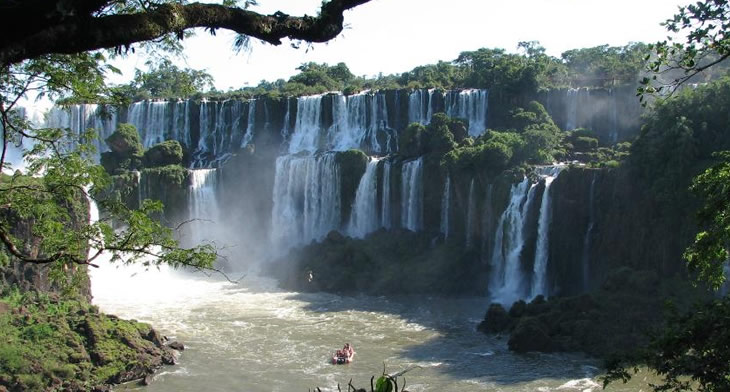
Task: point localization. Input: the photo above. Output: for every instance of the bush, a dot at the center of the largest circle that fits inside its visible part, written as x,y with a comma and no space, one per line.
125,140
583,143
169,152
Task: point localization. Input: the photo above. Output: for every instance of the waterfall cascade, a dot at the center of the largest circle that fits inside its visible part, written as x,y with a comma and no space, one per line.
548,174
202,205
412,195
507,282
364,216
306,199
471,105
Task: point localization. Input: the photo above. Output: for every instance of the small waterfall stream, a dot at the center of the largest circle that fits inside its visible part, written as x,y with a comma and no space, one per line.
539,286
507,282
202,205
364,216
412,195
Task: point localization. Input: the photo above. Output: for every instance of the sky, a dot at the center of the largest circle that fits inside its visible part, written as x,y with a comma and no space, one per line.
394,36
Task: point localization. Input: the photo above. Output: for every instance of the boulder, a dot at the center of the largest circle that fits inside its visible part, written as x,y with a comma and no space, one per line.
176,346
530,335
496,320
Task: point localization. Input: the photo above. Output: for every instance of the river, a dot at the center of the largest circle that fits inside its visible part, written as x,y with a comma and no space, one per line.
252,336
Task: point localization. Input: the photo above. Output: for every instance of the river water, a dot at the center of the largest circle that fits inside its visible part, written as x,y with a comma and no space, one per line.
252,336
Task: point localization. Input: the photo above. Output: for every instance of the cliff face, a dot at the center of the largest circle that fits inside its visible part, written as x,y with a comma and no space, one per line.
606,219
36,277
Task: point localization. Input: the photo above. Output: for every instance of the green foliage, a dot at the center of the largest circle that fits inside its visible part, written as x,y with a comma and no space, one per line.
689,353
126,150
125,140
64,345
164,80
605,66
700,57
411,140
709,252
679,136
169,152
438,136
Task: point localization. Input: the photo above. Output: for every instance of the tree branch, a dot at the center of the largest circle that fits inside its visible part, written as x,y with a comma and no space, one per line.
85,32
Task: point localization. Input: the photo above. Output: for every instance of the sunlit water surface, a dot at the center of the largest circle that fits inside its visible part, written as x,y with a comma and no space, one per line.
252,336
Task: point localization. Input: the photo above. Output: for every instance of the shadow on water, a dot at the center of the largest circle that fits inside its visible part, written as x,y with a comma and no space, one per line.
453,347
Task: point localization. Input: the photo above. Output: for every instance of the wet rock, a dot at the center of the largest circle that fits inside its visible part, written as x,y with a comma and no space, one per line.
175,345
147,380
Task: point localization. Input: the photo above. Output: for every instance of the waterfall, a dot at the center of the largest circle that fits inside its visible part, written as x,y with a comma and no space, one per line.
285,129
79,118
471,105
470,212
412,195
385,213
307,125
420,106
378,121
445,203
506,277
202,205
306,199
549,174
181,122
204,127
150,119
585,258
251,123
349,122
364,216
571,112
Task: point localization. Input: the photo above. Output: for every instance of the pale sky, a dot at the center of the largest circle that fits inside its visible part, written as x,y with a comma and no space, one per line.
393,36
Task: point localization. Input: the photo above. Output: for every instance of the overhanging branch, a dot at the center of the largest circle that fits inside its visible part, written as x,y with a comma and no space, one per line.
81,33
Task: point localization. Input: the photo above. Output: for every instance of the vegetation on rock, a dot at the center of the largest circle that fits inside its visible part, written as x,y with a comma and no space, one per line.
53,344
